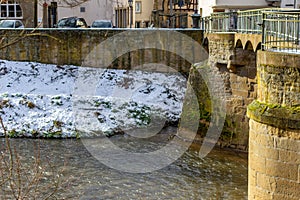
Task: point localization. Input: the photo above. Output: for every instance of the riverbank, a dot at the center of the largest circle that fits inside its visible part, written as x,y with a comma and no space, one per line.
49,101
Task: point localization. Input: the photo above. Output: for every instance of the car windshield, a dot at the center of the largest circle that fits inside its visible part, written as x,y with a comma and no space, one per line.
6,24
81,23
71,23
102,24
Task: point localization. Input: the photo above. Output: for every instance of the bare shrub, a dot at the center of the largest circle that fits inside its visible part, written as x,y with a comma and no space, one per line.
22,178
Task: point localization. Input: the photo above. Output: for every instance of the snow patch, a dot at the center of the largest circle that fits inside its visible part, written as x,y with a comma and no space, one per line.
43,100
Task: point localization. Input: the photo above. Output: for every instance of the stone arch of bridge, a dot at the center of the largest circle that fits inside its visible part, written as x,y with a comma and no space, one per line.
258,47
205,44
248,46
238,44
248,41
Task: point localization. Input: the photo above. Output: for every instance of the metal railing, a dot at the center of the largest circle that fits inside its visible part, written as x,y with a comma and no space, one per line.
279,27
249,21
281,31
219,22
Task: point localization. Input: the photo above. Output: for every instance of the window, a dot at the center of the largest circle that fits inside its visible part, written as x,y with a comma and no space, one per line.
10,9
82,9
18,24
138,7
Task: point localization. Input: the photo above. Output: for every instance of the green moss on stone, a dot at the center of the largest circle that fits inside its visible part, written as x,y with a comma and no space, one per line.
275,115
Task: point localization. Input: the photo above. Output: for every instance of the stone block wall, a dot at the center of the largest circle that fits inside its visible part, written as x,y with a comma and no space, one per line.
238,69
62,46
274,150
274,162
278,79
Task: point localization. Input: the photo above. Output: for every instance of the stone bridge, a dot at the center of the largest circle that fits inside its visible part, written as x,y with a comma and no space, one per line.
241,40
268,84
262,87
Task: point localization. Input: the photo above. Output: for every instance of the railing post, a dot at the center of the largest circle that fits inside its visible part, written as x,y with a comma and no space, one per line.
298,34
263,31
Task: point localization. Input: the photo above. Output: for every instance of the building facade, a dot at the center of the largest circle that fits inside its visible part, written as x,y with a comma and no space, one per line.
19,9
50,11
123,14
136,15
290,4
174,13
142,12
206,7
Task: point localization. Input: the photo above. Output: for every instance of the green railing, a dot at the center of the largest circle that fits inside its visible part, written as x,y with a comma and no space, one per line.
281,30
279,27
249,21
220,22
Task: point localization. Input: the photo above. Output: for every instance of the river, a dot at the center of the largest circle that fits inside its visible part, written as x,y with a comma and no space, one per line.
37,100
220,175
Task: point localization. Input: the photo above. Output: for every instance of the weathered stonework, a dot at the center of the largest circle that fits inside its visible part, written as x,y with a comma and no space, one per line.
58,46
274,149
279,78
238,69
236,65
274,162
275,115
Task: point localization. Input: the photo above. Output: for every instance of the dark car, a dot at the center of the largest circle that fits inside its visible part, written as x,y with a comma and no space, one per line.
102,24
72,22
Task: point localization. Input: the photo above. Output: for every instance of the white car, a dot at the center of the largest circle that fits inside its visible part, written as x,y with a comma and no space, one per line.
11,23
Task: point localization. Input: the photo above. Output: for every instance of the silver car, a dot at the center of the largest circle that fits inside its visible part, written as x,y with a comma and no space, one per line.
11,23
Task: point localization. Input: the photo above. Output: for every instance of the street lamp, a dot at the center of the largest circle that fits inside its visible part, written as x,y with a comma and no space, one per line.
130,2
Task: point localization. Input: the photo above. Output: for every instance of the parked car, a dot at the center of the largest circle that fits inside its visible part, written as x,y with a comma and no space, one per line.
11,23
102,24
72,22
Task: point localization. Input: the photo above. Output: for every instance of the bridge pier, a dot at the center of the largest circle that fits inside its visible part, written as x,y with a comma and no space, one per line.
237,67
274,137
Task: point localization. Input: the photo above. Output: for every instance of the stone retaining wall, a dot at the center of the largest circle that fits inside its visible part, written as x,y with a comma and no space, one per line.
65,46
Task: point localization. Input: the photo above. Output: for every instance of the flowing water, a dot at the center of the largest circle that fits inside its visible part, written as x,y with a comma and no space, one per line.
220,175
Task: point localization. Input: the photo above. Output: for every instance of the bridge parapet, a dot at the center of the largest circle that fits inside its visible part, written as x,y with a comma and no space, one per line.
279,27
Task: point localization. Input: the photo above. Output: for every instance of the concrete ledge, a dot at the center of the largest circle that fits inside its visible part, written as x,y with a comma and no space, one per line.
275,115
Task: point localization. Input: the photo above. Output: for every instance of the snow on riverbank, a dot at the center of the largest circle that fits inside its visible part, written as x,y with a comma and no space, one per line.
43,100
